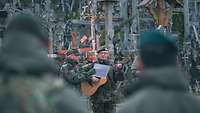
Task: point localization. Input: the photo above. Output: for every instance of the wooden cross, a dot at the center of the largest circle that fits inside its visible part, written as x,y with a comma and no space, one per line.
158,13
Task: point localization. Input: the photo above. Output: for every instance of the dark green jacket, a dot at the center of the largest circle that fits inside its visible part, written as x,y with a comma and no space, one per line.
161,90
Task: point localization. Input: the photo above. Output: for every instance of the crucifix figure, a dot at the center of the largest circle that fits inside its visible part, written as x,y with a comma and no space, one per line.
160,12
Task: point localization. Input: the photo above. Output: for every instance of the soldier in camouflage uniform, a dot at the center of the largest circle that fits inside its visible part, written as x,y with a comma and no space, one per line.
27,81
104,100
71,71
71,61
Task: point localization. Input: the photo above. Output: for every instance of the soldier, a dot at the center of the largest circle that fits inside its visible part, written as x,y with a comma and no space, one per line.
162,87
104,99
129,73
27,76
70,70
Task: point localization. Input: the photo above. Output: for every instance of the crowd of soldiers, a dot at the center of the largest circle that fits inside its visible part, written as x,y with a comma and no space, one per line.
32,83
28,75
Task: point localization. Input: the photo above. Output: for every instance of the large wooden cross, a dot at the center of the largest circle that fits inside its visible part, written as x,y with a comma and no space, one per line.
161,14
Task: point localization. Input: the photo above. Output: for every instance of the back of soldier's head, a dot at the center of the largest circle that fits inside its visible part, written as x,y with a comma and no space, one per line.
157,49
23,48
28,24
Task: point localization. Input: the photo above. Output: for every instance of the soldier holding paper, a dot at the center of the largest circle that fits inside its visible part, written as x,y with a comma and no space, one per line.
104,99
100,88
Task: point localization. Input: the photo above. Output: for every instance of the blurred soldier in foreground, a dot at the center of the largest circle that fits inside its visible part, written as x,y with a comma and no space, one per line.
27,81
162,87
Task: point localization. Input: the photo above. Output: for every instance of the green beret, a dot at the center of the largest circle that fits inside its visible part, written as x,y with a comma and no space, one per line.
73,51
103,48
154,38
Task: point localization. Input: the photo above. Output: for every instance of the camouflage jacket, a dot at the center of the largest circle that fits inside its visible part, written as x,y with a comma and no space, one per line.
106,93
38,95
74,74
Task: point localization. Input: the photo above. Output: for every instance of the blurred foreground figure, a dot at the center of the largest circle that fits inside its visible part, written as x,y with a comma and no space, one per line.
27,81
162,87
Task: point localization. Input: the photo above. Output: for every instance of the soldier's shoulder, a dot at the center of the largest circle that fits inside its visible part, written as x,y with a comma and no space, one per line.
42,84
23,95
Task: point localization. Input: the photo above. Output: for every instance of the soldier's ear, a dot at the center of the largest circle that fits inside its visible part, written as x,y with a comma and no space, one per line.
140,64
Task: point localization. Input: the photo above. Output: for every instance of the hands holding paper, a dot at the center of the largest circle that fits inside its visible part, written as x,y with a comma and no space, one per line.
95,79
101,70
98,71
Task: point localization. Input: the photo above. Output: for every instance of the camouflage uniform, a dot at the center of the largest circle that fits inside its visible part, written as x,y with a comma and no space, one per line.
104,100
38,95
74,73
68,71
27,81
